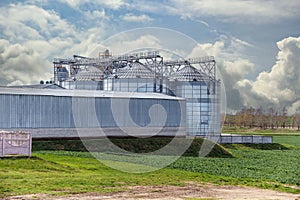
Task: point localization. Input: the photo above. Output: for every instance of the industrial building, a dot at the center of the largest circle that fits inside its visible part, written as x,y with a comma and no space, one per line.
138,94
60,113
142,83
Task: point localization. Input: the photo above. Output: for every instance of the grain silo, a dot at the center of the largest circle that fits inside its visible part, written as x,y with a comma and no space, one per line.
87,78
134,77
192,84
147,72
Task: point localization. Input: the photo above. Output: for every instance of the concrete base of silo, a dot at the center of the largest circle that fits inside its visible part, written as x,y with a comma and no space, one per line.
245,139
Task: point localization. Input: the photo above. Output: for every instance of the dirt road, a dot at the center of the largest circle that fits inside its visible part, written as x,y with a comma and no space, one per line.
176,193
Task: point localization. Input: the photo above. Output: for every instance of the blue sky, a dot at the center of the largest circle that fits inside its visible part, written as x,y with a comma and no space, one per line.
256,43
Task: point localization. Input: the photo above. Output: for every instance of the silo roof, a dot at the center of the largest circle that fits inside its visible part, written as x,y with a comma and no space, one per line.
134,70
189,73
89,73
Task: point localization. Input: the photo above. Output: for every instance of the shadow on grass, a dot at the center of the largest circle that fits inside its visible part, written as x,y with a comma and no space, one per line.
273,146
20,157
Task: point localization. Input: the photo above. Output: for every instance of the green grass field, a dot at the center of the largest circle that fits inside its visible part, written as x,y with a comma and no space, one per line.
258,131
68,172
288,140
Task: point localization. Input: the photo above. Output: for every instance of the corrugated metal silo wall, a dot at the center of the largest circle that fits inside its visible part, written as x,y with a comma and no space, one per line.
42,113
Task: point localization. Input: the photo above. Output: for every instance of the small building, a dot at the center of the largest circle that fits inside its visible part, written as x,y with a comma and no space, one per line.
15,143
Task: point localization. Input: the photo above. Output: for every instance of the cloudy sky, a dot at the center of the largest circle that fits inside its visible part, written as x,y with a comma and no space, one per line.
256,43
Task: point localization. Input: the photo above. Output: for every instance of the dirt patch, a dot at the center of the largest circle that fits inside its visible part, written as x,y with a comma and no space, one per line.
175,193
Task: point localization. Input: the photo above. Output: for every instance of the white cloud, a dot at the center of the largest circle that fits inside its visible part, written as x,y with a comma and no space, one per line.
231,68
229,55
22,22
125,43
74,3
207,49
241,11
279,87
294,108
239,67
239,44
32,37
96,14
112,4
276,88
20,64
136,18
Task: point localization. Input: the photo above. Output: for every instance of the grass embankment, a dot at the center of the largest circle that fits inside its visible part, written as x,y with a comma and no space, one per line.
136,145
67,172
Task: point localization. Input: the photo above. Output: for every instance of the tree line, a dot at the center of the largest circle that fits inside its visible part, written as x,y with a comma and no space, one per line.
264,119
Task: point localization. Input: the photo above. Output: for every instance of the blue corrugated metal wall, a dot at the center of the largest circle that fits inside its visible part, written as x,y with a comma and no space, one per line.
41,111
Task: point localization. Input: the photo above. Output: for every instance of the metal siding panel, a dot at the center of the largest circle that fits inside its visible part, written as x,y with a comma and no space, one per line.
43,112
49,111
31,107
136,109
55,112
136,112
121,106
70,112
62,112
12,111
46,103
3,122
104,113
2,111
170,108
77,101
25,110
82,114
6,111
18,111
98,110
157,111
139,111
38,118
38,111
